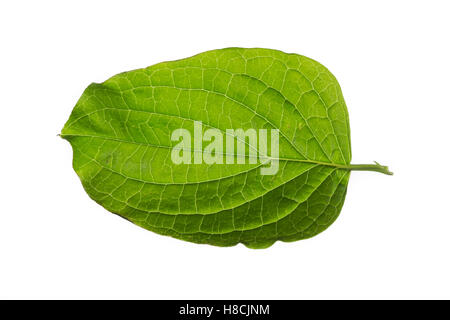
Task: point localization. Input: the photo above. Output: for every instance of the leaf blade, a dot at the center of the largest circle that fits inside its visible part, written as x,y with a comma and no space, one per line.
120,133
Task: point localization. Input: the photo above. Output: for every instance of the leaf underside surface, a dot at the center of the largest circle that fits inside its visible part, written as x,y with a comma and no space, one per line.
120,132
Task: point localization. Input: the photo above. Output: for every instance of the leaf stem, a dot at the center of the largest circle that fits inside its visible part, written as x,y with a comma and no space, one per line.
368,167
351,167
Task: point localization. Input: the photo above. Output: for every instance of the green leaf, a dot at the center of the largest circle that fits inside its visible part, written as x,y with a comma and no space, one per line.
120,131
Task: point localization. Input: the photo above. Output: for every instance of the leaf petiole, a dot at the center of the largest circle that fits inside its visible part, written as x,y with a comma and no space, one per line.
363,167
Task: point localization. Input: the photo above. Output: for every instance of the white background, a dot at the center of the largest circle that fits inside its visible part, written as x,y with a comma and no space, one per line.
392,239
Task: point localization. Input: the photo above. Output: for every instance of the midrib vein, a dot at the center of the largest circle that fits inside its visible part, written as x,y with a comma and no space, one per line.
349,167
269,158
